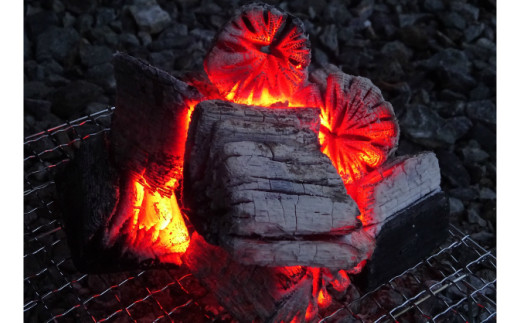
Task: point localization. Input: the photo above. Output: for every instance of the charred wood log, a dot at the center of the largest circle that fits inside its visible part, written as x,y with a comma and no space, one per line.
90,190
257,184
251,293
261,56
150,122
119,206
394,186
359,130
407,237
402,206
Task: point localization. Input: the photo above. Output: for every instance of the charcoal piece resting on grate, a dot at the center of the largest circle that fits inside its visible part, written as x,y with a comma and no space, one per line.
251,293
257,184
402,205
117,195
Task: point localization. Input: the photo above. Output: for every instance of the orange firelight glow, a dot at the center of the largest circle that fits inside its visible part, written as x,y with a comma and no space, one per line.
324,299
259,58
157,228
358,127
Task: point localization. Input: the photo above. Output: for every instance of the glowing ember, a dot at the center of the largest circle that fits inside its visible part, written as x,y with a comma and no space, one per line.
260,57
358,128
157,228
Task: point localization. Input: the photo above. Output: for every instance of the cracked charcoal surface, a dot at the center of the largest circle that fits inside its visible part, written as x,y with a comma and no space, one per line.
435,61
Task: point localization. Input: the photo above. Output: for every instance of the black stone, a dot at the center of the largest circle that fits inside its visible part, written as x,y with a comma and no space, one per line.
56,43
423,125
452,19
473,215
473,31
464,193
364,9
68,20
450,95
412,19
39,109
468,11
480,92
40,22
72,98
337,12
329,38
103,35
84,23
487,194
94,55
485,137
473,154
397,50
27,48
170,42
476,171
460,125
452,169
456,206
104,16
80,6
433,5
484,110
384,24
452,68
415,37
102,75
36,90
128,41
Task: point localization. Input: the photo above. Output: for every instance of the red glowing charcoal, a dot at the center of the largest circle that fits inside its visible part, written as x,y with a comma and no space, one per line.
358,127
260,57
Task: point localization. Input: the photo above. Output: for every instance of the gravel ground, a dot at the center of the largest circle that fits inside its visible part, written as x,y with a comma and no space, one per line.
434,60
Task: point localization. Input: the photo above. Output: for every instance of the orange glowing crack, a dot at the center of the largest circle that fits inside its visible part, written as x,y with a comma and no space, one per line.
260,58
159,223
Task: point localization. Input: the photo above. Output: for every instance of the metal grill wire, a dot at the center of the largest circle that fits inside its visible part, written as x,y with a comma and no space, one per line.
458,283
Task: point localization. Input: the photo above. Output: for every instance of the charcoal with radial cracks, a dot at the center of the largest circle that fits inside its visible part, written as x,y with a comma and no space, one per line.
260,57
358,127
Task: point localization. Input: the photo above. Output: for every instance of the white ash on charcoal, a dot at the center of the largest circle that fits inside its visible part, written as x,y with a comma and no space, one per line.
256,183
460,38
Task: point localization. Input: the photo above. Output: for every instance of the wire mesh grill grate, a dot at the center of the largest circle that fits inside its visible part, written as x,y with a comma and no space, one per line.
456,284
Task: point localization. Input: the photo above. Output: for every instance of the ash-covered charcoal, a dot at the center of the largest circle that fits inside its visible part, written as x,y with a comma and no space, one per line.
359,129
395,186
256,183
251,293
118,197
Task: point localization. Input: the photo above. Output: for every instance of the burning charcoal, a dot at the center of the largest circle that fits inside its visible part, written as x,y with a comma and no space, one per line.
260,57
256,183
358,128
394,186
251,293
119,204
150,123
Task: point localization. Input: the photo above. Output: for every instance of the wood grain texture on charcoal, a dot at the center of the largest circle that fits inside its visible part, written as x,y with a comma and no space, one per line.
150,121
250,293
257,173
341,252
90,192
394,186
